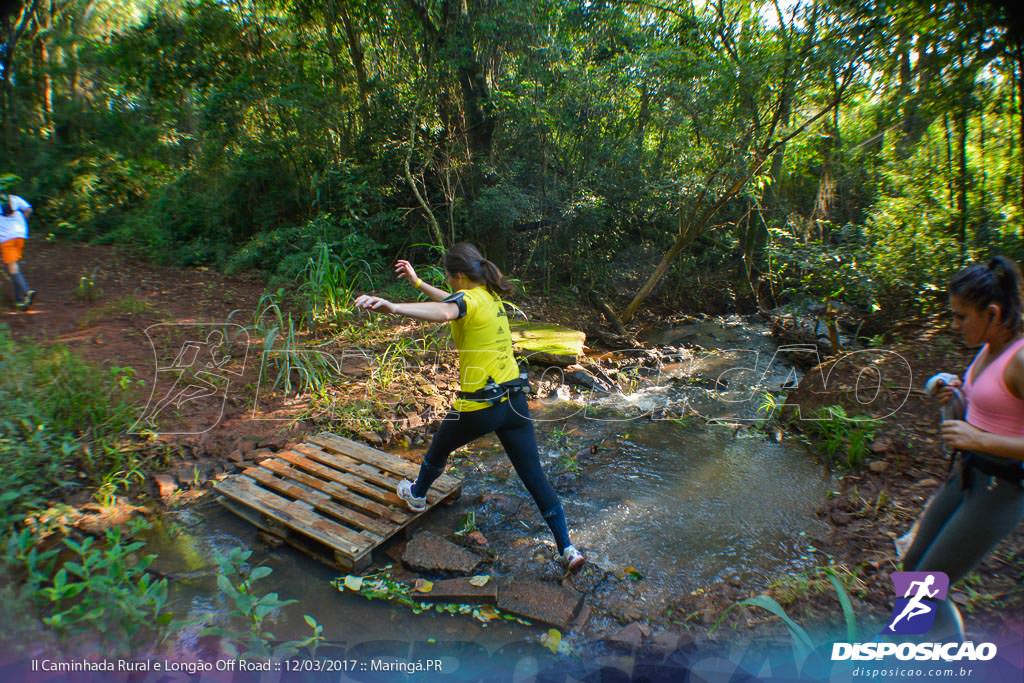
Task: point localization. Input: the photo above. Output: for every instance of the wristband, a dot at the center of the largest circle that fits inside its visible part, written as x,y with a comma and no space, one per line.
417,283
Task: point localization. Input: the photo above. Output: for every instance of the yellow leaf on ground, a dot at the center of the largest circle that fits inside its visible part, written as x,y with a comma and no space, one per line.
551,640
423,586
353,583
632,572
485,614
479,581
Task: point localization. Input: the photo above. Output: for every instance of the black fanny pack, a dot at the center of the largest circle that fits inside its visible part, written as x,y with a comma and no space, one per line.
492,392
1001,468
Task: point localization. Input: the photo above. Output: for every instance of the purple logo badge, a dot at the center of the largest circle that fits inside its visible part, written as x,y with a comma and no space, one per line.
916,595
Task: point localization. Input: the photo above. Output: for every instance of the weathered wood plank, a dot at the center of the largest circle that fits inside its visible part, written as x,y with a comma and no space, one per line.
353,481
349,464
296,517
387,516
331,497
337,444
384,461
318,551
368,472
372,529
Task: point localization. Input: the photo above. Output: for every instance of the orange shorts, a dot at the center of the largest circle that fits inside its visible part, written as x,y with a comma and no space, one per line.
12,250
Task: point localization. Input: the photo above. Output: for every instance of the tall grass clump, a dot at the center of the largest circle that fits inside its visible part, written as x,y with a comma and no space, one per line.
844,439
295,368
330,284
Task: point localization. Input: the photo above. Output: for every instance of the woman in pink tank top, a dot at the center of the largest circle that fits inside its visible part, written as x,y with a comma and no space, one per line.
983,500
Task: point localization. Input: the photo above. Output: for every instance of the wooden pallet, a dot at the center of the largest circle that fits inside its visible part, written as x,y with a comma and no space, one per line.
331,497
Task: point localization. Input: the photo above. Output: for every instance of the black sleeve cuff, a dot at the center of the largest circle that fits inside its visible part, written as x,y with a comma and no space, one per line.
459,299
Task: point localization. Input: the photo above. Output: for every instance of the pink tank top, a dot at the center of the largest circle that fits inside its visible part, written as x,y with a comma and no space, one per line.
990,405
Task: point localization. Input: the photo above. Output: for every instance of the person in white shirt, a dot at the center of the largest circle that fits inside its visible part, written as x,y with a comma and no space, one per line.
14,213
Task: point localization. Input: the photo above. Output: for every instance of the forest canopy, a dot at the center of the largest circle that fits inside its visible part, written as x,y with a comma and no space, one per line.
715,153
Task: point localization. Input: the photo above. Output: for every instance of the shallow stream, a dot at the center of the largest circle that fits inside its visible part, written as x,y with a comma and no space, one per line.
684,502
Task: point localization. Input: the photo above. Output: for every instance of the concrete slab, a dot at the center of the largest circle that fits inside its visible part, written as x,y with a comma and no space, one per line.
427,552
540,601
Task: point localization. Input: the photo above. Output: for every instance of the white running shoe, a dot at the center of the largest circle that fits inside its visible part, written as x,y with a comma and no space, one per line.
404,492
572,559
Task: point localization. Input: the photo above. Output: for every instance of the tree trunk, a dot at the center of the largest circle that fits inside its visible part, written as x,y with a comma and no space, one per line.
960,126
45,89
642,116
434,227
689,230
686,235
915,123
452,41
602,306
480,123
1020,112
981,225
357,54
949,158
10,43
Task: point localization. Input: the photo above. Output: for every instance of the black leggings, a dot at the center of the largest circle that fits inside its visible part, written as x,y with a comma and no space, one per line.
510,420
963,522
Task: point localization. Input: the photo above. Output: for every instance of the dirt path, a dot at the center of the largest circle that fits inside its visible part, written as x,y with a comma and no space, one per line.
127,297
104,320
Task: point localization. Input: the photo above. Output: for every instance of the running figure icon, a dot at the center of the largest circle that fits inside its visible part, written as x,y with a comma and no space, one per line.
201,371
201,380
917,594
916,607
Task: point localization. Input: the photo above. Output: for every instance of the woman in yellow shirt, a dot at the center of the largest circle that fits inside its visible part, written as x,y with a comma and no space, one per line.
491,396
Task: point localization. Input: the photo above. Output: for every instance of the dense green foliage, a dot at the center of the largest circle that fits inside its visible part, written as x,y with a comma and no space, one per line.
709,153
60,417
99,594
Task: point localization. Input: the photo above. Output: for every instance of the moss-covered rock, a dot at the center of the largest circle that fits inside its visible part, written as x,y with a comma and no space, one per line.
546,343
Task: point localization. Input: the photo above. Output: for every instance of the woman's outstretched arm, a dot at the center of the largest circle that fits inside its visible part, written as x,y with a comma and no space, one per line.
405,271
431,311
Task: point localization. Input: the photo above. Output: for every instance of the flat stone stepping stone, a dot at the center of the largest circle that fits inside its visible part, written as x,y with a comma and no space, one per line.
629,637
461,590
547,343
427,552
540,601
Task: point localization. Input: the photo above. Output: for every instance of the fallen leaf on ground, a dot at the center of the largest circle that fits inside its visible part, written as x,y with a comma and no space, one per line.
423,586
479,581
485,614
551,640
632,573
353,583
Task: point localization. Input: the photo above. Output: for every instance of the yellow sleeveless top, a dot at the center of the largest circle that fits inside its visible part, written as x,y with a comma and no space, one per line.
484,342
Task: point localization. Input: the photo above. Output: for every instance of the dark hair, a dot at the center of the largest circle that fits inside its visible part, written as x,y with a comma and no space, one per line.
995,282
466,259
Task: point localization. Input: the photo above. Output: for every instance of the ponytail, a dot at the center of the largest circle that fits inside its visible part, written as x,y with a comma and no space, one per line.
467,259
493,278
996,282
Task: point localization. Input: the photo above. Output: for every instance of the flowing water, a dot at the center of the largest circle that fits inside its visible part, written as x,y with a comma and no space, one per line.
686,502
